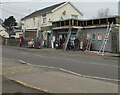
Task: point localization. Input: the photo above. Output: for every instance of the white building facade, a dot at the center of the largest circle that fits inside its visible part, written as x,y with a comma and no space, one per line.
41,20
3,32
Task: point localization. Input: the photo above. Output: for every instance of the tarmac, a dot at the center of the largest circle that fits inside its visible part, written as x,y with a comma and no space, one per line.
53,80
107,55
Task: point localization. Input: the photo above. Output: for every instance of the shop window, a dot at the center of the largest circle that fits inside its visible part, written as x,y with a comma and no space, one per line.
94,36
34,21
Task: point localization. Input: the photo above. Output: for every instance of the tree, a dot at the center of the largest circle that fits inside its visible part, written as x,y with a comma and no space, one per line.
103,12
9,22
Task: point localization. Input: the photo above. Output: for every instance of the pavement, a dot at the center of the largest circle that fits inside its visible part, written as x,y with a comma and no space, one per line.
53,80
11,87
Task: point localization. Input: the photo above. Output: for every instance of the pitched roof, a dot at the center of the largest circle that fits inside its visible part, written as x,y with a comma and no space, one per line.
43,11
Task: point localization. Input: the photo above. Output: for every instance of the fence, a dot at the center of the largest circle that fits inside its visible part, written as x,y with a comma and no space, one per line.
14,42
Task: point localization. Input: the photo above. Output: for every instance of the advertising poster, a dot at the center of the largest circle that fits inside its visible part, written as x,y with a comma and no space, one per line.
105,35
94,36
99,36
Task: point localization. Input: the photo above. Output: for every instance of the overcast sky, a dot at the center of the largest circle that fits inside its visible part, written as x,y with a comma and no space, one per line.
21,8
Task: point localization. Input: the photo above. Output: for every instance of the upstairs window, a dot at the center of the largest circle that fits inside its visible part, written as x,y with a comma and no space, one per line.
94,36
44,18
74,16
34,21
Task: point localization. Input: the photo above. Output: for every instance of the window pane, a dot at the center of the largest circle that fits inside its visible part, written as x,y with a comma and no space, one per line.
44,20
74,16
94,36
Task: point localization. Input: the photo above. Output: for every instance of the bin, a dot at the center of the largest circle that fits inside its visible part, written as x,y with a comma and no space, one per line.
37,45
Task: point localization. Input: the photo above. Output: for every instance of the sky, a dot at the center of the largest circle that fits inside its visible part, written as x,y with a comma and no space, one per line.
21,8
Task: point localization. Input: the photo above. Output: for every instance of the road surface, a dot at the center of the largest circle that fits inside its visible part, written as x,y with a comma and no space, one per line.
91,66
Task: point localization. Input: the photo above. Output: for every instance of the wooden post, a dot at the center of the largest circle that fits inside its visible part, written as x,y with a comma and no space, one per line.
99,22
60,24
77,23
64,23
92,22
69,22
72,22
86,23
119,38
107,21
83,23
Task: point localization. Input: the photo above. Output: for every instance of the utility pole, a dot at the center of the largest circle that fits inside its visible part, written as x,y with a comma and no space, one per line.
23,29
38,24
119,8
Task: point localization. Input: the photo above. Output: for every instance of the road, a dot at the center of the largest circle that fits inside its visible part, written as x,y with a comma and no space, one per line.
91,66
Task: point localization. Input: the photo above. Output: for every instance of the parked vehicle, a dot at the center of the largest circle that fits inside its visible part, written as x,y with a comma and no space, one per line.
31,43
38,43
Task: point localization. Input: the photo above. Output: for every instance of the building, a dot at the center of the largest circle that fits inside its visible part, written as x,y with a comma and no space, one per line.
17,32
3,32
39,23
91,29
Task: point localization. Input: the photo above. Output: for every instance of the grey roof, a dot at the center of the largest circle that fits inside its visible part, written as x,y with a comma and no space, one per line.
88,19
10,32
113,16
43,11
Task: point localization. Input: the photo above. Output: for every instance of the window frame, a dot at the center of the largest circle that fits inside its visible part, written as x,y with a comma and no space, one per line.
93,36
74,16
44,18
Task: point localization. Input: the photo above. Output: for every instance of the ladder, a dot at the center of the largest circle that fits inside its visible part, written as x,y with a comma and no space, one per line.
88,46
67,39
102,49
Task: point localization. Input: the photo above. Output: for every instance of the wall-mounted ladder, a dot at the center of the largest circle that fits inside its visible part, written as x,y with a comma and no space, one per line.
102,49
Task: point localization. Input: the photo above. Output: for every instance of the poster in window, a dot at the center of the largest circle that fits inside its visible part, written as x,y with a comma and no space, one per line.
105,35
93,36
99,36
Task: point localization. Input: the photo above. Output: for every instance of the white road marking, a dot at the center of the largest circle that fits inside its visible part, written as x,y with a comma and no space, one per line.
10,59
23,62
42,66
24,53
39,55
86,76
47,67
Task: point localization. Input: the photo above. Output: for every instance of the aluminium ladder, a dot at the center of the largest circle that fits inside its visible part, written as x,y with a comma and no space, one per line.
67,39
102,49
88,46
